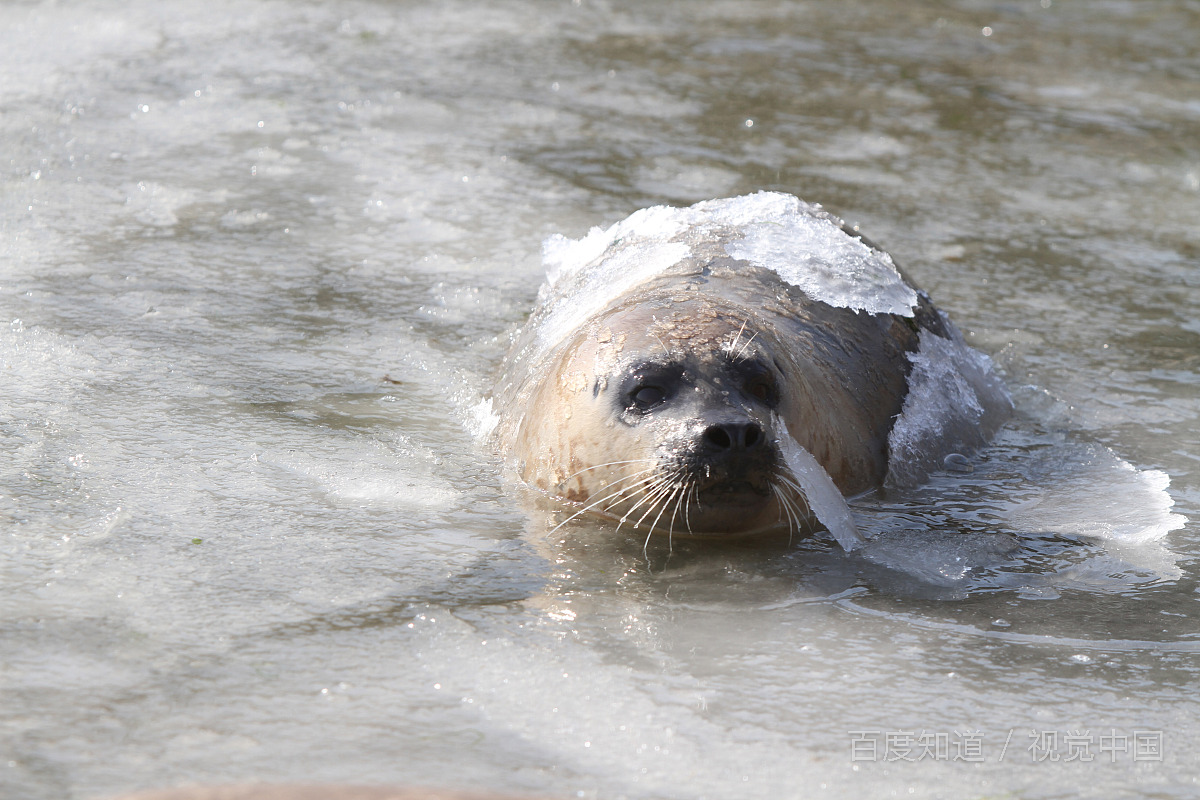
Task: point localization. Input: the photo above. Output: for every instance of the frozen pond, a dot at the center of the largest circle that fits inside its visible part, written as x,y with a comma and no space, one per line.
259,263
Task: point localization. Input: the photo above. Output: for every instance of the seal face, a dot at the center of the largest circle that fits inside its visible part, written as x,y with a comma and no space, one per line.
687,391
733,367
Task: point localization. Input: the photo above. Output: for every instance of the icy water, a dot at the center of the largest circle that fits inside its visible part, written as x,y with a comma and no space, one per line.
259,264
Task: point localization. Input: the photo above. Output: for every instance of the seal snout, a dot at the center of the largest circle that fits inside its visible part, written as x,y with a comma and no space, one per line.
730,455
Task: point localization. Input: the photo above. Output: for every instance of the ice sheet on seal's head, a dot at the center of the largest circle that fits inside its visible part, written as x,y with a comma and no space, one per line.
803,244
808,248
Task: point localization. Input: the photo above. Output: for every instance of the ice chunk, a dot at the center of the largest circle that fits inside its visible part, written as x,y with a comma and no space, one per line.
809,249
955,402
823,496
803,244
937,558
626,264
1089,491
563,257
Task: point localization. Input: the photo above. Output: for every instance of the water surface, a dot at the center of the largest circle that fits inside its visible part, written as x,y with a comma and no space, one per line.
259,262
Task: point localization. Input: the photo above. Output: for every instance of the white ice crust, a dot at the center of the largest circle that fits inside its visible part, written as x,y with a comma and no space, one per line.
802,243
1096,494
625,265
952,393
823,497
1083,490
811,251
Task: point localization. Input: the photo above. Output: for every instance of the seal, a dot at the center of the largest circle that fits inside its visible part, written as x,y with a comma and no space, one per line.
738,366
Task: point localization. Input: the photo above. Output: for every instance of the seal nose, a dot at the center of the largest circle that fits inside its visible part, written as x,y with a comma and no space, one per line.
733,436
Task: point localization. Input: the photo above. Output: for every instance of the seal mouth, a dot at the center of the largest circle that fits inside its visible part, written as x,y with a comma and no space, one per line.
737,492
691,489
731,492
704,501
739,496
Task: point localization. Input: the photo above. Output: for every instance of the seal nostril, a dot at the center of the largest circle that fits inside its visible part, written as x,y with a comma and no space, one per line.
752,436
733,437
717,436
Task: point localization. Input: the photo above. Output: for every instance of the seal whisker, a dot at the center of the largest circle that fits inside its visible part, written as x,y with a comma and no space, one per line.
651,494
664,488
668,491
625,489
622,494
790,484
612,464
787,505
742,353
670,488
687,518
780,502
646,486
731,348
666,349
797,492
793,512
678,496
616,494
782,509
796,514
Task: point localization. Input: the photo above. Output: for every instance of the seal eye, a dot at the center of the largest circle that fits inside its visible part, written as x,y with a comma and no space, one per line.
648,386
647,397
761,386
759,390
